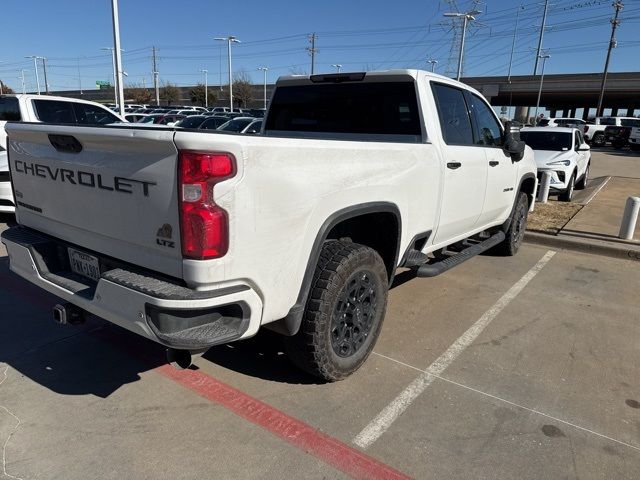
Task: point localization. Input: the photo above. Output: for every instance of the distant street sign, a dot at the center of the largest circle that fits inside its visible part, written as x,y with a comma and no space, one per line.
102,85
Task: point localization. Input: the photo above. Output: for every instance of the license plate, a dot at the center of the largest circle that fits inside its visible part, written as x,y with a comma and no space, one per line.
84,264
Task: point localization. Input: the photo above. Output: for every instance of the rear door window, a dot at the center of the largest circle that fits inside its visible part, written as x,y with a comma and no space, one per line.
453,114
9,109
87,114
343,110
54,111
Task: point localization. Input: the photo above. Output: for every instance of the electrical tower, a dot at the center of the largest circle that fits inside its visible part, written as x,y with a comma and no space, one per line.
456,26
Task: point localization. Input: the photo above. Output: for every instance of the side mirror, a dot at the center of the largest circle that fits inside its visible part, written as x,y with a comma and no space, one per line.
512,144
584,148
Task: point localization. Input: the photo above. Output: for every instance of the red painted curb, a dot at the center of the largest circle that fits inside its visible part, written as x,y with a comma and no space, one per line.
330,450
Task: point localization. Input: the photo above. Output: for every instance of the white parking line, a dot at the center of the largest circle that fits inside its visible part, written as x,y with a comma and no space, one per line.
391,412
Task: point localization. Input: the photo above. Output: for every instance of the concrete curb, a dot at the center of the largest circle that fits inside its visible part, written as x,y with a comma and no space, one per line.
597,247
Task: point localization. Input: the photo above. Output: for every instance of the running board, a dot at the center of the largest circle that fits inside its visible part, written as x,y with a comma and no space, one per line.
433,269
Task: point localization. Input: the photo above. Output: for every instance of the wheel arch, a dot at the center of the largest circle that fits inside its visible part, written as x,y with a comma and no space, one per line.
355,222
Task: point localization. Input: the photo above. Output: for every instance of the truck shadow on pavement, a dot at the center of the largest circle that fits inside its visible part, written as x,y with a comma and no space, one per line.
98,358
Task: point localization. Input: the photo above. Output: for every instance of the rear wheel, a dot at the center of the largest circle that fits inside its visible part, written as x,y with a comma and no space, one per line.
567,195
598,139
634,147
344,312
583,183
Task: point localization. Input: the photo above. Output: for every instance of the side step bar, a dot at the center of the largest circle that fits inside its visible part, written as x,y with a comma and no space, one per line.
433,269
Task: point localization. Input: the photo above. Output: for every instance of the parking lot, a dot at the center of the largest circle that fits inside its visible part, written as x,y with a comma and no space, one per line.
508,367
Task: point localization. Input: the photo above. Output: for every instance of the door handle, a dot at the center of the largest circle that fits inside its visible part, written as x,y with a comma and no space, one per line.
493,163
454,165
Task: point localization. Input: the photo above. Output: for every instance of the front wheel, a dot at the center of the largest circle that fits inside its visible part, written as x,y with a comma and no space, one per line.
583,183
567,195
344,312
598,140
517,226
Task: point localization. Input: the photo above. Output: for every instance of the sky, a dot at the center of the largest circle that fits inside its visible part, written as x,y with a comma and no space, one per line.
359,35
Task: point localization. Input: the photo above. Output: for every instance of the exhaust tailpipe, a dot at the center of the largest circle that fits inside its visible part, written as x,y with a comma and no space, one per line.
68,314
179,359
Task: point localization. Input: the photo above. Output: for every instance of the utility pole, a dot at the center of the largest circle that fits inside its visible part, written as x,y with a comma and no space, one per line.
24,88
79,77
206,86
35,66
312,51
539,49
44,69
117,55
513,43
433,64
155,77
612,44
264,70
115,79
466,18
544,61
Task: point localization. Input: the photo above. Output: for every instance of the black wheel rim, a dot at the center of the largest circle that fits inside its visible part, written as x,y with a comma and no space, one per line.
354,314
520,225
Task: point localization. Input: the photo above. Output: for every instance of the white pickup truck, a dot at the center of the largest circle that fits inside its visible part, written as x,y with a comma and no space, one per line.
594,132
195,238
50,109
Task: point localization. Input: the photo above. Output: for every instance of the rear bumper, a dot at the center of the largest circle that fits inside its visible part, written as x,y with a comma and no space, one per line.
155,308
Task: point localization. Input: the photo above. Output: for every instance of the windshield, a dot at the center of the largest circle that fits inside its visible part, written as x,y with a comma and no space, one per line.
630,122
553,141
607,121
149,119
191,122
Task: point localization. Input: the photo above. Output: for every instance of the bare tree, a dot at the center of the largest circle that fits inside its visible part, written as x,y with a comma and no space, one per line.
170,93
197,95
138,93
4,88
297,71
242,88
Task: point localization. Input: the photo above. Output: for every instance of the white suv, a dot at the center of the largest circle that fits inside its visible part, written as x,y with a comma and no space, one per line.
561,122
563,153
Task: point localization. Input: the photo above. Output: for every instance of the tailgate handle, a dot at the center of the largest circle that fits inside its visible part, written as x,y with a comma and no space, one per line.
65,143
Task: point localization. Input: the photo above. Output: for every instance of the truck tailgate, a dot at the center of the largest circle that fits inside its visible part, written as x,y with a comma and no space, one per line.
109,190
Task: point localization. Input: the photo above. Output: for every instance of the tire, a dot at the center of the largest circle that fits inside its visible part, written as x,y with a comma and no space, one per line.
617,145
634,147
584,181
567,195
517,226
339,329
598,139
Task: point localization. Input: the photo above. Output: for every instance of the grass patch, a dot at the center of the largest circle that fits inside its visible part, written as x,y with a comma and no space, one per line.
551,217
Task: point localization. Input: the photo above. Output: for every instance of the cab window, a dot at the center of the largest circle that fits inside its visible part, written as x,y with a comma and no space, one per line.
486,126
453,115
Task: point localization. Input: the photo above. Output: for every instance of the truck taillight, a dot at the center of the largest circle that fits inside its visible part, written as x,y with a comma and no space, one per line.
204,226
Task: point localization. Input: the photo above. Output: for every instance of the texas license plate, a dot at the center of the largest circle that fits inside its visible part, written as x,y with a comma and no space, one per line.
84,264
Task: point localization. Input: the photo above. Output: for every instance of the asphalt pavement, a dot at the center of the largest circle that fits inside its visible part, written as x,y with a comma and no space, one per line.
523,367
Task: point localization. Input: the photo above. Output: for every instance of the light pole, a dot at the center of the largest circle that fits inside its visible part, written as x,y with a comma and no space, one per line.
433,64
612,44
544,61
338,66
117,55
264,70
24,88
113,65
206,86
35,65
466,18
44,69
230,39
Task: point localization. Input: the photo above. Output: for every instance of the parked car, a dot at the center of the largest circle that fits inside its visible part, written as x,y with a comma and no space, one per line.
594,132
193,121
254,127
6,194
239,124
563,153
561,122
134,117
50,109
187,112
634,139
213,122
618,135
